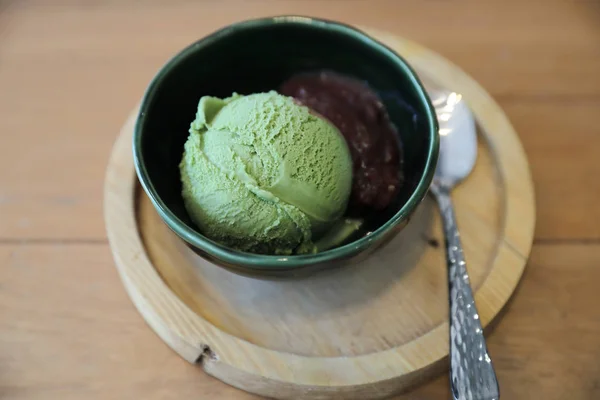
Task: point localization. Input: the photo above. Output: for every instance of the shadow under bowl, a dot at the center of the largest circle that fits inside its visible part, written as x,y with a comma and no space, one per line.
257,56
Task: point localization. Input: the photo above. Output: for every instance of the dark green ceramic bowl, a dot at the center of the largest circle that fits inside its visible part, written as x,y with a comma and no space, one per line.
258,55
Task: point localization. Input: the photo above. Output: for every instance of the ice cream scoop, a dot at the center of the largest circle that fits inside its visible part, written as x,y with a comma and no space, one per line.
263,174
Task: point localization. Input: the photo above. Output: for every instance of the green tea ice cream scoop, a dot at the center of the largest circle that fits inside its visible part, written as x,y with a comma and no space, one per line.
263,174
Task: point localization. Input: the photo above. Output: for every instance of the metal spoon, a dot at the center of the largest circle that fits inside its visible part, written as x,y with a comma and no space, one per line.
472,375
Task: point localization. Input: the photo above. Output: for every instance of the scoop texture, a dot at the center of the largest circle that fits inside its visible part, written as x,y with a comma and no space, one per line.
263,174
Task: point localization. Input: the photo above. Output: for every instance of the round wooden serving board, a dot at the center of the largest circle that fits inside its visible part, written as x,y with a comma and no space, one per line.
361,332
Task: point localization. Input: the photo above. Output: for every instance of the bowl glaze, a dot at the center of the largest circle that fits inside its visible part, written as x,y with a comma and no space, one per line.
258,55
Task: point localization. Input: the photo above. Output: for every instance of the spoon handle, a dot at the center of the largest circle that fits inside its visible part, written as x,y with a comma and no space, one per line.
472,374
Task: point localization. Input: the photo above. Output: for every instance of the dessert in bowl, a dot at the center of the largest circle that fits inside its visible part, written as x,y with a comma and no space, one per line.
284,145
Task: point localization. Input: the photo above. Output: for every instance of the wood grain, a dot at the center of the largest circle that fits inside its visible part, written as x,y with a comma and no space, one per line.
340,313
82,338
562,141
495,40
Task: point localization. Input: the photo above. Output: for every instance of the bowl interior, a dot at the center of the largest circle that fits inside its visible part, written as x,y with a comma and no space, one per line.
258,56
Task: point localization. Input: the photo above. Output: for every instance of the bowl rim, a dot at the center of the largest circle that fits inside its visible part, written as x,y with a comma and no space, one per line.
281,262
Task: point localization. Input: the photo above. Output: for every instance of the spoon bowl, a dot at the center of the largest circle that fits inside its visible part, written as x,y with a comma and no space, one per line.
458,137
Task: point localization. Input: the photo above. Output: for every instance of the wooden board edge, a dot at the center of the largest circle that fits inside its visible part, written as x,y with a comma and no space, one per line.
190,339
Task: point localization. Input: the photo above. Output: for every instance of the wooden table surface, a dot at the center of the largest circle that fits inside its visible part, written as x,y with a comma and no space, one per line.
70,71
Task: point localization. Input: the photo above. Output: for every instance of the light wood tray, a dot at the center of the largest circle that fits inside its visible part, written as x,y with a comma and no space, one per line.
361,332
